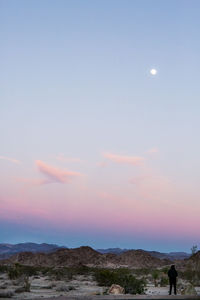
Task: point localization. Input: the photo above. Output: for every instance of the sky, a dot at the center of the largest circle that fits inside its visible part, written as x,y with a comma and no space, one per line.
95,150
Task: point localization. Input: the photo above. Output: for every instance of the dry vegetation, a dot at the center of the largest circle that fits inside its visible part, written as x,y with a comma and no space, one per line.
25,282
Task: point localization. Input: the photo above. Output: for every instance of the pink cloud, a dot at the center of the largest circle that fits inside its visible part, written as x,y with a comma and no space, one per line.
62,158
102,164
54,174
13,160
152,150
122,159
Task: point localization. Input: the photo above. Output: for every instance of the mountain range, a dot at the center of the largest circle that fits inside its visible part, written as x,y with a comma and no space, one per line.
7,250
88,257
170,255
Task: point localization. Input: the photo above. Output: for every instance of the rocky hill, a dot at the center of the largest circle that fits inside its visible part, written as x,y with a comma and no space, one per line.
141,259
170,255
7,250
193,262
161,255
89,257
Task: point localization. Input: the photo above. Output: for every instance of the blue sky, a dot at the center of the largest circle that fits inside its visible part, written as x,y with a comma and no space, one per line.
77,96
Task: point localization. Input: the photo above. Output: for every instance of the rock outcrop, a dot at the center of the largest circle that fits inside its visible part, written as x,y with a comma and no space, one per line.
140,258
194,261
116,289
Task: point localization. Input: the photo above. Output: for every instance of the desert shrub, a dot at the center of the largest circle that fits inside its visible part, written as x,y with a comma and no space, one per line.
193,276
165,270
164,281
122,277
80,270
155,276
3,269
18,270
14,272
58,274
45,270
67,273
105,277
142,271
29,270
133,285
61,273
189,275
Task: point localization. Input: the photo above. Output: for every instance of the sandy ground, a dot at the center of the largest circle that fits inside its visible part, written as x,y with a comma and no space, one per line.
44,288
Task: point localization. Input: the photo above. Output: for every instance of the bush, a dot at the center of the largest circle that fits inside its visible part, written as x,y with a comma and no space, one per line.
122,277
164,281
142,271
106,277
29,270
14,273
191,275
19,270
155,276
60,274
165,270
67,273
3,269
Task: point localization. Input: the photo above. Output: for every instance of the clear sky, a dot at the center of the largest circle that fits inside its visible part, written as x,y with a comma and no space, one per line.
94,150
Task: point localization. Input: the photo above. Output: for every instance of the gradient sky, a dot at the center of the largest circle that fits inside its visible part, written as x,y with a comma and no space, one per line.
94,149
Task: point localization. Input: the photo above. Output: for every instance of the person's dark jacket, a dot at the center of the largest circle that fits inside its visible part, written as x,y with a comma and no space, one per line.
172,273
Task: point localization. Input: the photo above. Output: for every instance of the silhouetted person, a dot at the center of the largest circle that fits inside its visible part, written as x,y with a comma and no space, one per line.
172,273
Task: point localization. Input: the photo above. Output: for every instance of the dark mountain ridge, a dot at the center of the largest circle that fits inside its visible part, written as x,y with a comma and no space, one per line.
89,257
111,255
170,255
7,250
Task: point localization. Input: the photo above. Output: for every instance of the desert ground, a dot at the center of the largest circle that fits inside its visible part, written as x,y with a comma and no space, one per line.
84,272
48,286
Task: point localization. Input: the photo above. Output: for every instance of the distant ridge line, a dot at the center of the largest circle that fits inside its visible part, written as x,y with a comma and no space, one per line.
7,250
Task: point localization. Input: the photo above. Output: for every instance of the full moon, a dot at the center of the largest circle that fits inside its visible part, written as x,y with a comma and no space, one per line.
153,71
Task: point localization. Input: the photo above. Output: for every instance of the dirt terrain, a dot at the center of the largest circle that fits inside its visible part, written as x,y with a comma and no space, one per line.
84,272
79,286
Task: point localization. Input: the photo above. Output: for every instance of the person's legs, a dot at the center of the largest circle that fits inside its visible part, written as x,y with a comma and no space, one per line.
175,288
170,289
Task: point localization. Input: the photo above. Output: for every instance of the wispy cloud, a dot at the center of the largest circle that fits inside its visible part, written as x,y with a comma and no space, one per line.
152,150
54,174
63,158
123,159
13,160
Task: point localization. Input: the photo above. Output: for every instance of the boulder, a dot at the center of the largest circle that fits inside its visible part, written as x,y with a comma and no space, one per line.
189,290
116,289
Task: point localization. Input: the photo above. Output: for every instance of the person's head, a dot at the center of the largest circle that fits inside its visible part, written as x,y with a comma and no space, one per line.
172,267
